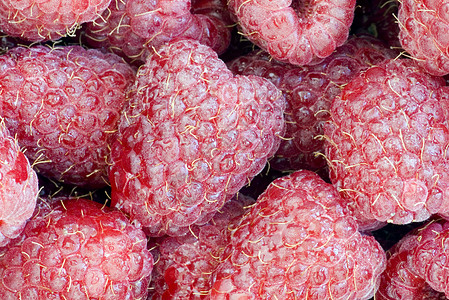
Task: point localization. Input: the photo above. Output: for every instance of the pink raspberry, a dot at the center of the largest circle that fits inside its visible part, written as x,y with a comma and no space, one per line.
18,187
132,27
309,91
387,142
191,137
63,106
76,249
400,281
47,19
298,242
424,28
184,264
298,32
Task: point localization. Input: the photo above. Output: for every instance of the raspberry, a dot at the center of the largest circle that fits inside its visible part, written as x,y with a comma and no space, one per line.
131,27
18,187
400,281
387,143
191,137
299,34
76,249
309,91
47,19
299,242
185,264
63,106
423,33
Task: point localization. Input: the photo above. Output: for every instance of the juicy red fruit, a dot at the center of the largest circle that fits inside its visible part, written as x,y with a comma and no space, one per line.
76,249
191,137
387,143
298,32
18,187
63,106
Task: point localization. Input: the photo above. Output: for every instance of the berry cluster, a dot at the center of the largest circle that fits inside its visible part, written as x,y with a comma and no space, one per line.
241,149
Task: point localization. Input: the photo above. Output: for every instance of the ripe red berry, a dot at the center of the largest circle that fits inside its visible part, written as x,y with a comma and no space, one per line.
47,19
387,143
131,28
191,137
184,264
423,33
400,280
298,32
18,187
63,106
76,249
298,242
309,91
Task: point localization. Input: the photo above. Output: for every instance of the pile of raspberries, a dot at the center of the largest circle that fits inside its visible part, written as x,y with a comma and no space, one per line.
224,149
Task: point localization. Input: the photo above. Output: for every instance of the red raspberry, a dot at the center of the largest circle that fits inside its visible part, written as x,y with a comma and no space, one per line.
18,187
387,143
132,27
309,91
76,249
400,281
298,32
191,137
184,264
63,106
47,19
424,28
298,242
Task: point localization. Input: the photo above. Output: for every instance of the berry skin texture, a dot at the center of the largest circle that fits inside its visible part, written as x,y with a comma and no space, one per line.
63,105
298,242
400,280
76,249
309,91
387,141
184,264
47,19
423,33
298,32
191,137
18,187
132,27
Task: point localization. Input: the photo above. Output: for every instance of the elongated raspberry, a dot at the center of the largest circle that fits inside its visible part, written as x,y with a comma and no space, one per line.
184,264
18,187
298,242
400,281
309,91
387,143
63,106
191,137
298,32
76,249
423,33
131,27
47,19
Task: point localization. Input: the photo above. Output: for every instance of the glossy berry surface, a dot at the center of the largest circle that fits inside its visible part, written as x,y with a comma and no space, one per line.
18,187
191,137
131,27
298,242
184,264
424,27
387,143
76,249
298,32
63,106
309,91
47,19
